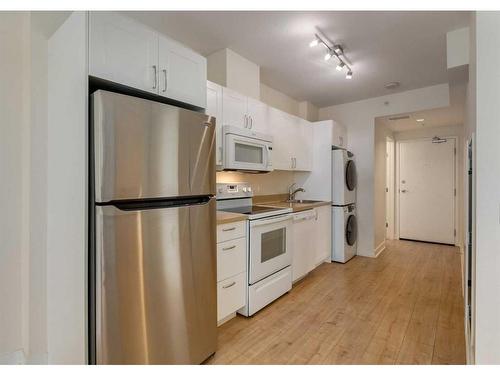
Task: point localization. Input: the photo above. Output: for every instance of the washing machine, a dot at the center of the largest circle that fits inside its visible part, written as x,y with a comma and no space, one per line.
345,233
344,178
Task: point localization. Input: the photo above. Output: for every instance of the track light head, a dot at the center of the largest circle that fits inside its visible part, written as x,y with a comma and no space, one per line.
340,66
338,49
348,75
314,42
328,55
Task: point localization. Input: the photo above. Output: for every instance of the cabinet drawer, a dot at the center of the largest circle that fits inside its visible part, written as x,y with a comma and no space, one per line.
231,295
265,291
231,258
231,231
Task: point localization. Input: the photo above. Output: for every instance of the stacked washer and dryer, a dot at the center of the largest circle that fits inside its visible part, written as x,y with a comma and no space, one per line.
345,228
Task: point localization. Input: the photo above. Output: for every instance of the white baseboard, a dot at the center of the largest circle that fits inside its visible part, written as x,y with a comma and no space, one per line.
38,359
226,319
379,249
13,358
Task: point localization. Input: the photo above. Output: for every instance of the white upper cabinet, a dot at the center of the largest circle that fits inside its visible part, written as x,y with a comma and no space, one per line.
292,148
123,51
126,52
182,73
303,146
283,135
339,135
258,114
234,108
244,112
214,108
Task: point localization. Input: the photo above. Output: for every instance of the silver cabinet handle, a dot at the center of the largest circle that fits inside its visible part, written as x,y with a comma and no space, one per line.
251,122
229,285
228,229
155,77
165,76
228,248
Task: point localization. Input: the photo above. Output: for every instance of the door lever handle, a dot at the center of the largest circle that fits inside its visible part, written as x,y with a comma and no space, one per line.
404,191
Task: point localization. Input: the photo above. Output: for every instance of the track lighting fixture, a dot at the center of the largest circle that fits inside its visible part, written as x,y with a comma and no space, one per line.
333,50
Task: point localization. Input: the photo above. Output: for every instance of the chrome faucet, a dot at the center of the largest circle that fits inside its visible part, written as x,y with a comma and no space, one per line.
291,192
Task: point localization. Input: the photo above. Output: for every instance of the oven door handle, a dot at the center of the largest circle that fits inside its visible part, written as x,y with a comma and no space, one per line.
279,219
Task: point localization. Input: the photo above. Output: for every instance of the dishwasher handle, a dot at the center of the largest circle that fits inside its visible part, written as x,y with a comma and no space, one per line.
304,215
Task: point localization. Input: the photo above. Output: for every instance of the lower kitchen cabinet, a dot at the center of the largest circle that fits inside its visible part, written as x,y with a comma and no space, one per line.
231,269
323,234
230,295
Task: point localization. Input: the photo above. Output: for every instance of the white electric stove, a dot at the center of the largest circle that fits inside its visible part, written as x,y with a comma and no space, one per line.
269,251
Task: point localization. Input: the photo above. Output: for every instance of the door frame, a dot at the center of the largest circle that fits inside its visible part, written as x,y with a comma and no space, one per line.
456,173
390,196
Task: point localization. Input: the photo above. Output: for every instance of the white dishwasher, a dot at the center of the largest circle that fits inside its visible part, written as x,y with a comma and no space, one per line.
302,251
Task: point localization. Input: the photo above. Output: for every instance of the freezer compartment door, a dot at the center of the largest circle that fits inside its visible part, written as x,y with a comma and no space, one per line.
145,149
156,294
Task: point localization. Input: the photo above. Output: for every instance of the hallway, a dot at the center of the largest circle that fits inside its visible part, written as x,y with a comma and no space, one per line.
404,307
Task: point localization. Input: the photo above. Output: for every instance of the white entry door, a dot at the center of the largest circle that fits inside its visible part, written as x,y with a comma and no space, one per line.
427,190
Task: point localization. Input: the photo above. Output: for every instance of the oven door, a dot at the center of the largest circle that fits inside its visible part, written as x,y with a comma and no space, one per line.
270,246
244,153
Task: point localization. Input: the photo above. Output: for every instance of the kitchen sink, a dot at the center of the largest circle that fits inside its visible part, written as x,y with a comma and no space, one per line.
306,201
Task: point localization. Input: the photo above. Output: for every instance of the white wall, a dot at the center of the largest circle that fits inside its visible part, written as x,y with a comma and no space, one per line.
38,196
359,118
229,69
14,191
67,192
382,131
487,188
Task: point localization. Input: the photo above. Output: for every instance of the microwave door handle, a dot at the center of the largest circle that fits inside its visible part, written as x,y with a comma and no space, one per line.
279,219
268,156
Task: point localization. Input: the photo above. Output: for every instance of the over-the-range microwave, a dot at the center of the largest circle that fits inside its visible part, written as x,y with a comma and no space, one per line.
246,150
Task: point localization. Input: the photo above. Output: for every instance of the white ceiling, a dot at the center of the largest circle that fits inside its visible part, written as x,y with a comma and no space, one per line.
409,47
447,116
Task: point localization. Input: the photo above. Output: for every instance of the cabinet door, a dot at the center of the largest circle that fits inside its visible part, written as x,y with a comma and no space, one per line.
303,146
123,51
258,114
279,127
214,108
182,74
234,108
323,234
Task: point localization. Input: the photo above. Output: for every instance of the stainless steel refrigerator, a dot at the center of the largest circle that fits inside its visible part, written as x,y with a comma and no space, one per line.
153,265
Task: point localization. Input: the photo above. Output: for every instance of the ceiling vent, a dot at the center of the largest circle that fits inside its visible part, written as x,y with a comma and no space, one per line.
392,85
395,118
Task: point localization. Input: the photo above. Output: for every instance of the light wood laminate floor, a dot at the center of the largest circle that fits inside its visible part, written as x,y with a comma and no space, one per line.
404,307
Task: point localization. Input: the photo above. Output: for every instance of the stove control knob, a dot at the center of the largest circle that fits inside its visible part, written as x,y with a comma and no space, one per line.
244,189
249,189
